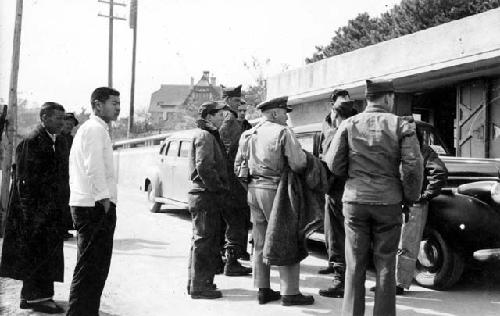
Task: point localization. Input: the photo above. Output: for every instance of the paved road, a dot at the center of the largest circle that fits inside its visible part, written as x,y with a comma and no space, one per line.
148,277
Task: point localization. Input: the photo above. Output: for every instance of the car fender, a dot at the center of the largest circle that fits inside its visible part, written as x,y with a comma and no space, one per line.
464,221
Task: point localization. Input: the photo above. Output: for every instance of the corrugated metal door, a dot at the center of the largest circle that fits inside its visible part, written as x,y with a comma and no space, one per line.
472,113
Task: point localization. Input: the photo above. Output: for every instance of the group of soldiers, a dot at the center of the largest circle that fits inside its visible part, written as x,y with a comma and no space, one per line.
377,166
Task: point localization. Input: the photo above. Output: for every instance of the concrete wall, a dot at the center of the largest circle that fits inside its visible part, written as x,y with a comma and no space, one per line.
456,43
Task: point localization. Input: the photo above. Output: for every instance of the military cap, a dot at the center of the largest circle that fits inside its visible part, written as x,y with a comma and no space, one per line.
210,106
71,116
276,103
338,92
378,86
228,92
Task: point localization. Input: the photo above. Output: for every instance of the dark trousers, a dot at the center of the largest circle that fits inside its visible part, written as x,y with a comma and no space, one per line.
335,234
364,225
95,246
36,289
205,248
236,217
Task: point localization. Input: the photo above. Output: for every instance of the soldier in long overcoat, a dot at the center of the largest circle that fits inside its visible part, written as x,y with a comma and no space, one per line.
236,213
33,244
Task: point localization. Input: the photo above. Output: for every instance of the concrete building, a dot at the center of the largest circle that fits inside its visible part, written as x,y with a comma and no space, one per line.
172,98
448,75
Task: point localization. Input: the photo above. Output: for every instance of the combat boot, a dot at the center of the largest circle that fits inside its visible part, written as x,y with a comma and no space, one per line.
337,288
233,266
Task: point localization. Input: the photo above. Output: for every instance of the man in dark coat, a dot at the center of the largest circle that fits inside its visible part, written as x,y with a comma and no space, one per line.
209,177
236,213
70,122
33,245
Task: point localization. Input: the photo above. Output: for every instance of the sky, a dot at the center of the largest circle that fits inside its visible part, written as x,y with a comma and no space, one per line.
64,44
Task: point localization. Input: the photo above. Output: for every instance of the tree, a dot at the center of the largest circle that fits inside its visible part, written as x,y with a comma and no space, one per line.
408,17
256,92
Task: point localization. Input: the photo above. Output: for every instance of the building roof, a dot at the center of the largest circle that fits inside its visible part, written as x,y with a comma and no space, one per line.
169,95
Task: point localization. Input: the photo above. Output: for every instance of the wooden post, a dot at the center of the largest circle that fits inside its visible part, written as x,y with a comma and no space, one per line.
12,114
133,25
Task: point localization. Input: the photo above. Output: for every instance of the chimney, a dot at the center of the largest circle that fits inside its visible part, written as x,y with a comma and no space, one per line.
192,81
213,81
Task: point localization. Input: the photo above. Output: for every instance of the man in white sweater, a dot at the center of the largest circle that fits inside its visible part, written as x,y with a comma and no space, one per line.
93,202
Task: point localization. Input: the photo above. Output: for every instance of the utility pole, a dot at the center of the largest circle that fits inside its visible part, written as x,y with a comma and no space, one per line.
133,26
12,114
111,17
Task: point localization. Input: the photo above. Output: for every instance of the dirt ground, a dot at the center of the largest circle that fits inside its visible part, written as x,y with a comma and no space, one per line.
149,272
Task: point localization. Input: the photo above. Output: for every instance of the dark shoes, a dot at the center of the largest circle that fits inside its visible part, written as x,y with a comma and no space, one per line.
336,291
46,307
327,270
298,299
67,235
206,294
399,290
234,268
267,295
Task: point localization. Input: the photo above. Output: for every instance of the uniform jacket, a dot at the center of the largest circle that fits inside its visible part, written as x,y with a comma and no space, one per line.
328,130
33,243
230,133
435,175
272,147
297,212
208,165
379,155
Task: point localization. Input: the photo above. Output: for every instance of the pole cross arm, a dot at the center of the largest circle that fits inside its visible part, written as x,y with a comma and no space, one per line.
113,3
111,17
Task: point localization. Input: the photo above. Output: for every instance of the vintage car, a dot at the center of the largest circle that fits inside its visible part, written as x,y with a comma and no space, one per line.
463,219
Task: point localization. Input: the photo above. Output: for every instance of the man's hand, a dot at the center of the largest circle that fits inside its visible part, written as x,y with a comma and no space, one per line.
105,203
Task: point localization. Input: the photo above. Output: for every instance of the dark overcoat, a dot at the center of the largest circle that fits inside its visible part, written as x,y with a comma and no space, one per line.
33,242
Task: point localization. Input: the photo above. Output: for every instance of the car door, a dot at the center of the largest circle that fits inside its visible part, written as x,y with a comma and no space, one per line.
167,161
180,171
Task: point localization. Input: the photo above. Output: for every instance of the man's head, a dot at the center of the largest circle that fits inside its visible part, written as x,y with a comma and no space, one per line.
52,117
106,103
242,110
345,109
338,96
380,92
232,96
275,110
70,122
212,112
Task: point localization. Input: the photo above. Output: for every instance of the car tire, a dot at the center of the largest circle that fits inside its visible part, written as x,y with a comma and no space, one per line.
439,266
153,191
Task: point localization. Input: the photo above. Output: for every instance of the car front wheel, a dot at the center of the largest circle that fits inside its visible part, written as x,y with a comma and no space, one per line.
153,191
438,266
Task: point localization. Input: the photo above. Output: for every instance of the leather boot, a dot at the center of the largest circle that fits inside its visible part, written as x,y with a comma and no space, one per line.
267,295
337,288
233,266
298,299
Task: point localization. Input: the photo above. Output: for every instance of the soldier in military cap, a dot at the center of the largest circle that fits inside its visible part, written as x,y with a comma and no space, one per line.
271,148
236,213
342,108
378,154
210,183
242,111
